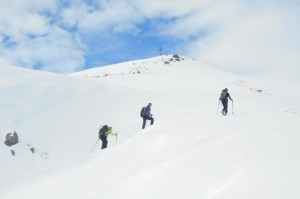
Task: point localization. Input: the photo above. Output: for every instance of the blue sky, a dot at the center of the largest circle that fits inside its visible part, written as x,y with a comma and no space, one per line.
66,36
119,47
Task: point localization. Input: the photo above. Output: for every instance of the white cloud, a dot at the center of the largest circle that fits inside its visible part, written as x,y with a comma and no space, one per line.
73,14
103,16
124,15
58,51
167,8
30,37
253,39
18,18
118,16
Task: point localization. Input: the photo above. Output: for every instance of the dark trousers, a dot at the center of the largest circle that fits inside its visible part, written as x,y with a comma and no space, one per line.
104,141
225,106
145,118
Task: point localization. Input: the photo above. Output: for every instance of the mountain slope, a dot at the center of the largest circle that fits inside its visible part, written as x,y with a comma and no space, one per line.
189,152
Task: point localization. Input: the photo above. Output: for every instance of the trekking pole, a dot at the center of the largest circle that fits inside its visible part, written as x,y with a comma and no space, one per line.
218,108
232,107
94,145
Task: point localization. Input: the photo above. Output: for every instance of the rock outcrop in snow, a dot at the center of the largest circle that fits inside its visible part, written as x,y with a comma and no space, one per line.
11,139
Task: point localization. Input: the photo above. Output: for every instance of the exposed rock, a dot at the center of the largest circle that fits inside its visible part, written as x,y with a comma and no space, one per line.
176,56
11,139
254,90
166,62
32,149
12,152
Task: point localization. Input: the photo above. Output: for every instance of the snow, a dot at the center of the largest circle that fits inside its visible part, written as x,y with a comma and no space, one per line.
189,152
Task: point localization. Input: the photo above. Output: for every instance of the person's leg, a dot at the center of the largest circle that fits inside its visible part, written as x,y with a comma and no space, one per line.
224,105
144,122
151,119
102,147
104,143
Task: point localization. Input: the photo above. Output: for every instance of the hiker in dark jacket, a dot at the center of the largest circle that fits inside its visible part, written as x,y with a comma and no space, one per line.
147,115
224,99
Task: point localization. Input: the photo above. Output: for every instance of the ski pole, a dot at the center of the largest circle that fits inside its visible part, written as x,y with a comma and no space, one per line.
218,108
94,146
117,138
232,106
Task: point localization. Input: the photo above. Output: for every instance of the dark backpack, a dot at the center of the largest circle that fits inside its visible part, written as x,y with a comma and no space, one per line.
142,112
103,130
223,94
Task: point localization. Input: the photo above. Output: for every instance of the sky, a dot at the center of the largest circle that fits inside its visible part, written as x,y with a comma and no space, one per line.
240,36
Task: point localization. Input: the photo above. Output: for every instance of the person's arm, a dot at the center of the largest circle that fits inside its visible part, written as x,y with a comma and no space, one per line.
229,97
111,133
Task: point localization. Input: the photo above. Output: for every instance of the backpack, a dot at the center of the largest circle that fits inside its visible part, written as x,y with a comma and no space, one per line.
103,130
142,112
223,94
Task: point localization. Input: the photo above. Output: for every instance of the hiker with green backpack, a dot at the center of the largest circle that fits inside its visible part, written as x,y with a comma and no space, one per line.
103,133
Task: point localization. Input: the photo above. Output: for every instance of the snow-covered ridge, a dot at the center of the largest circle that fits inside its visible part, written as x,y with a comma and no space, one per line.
137,67
191,149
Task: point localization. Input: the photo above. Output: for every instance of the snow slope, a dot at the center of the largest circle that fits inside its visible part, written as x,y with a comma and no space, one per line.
189,152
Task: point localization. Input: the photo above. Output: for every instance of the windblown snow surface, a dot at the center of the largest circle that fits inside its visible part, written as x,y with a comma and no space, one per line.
191,151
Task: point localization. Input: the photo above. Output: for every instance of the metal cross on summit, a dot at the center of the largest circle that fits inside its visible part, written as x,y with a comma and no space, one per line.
160,50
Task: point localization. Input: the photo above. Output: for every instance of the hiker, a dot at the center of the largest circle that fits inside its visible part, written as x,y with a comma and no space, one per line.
224,99
146,114
103,133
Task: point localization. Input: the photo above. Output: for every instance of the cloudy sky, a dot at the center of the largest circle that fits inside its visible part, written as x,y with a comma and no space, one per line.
63,36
